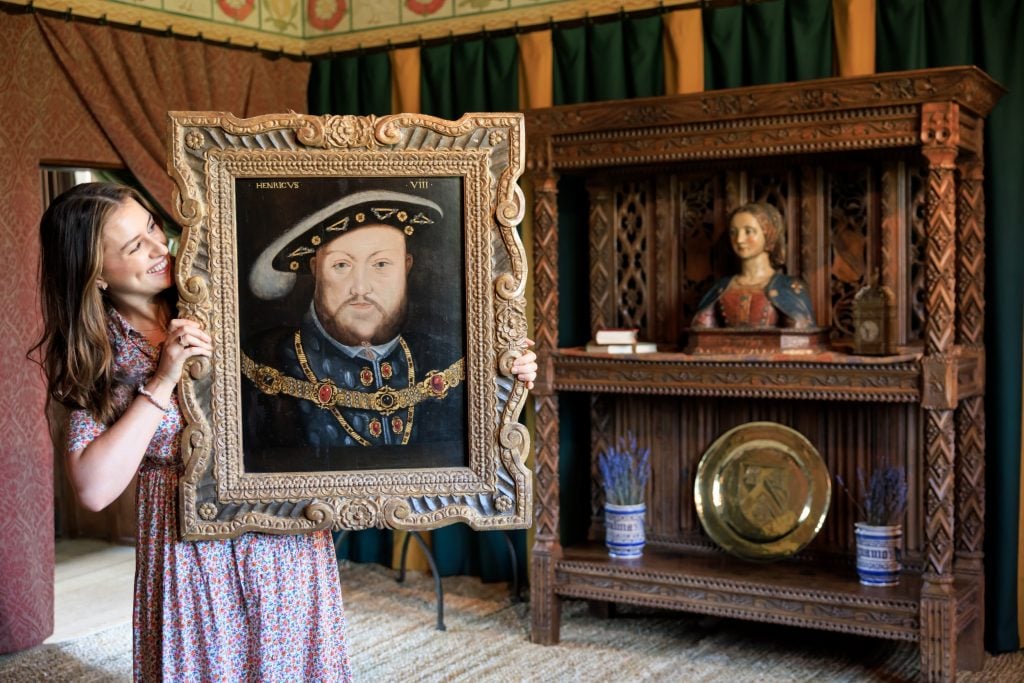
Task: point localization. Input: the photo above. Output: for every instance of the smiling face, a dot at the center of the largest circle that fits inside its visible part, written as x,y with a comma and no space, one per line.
136,262
747,236
360,285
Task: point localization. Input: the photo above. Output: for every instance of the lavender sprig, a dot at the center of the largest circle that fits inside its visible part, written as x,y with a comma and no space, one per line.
625,471
884,496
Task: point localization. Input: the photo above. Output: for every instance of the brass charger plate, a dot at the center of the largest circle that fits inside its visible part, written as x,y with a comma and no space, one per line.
762,491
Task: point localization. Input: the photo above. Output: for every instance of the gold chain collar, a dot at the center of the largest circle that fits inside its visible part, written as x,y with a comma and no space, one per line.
329,396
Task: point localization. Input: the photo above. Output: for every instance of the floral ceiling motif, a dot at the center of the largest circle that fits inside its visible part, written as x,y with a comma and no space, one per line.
314,27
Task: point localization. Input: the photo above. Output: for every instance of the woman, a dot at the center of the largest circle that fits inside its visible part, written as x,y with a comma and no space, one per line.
259,607
761,295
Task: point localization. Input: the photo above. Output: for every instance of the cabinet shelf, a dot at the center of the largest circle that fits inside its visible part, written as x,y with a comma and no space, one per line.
815,595
831,376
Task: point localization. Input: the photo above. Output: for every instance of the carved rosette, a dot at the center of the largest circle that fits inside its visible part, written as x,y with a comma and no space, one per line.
209,151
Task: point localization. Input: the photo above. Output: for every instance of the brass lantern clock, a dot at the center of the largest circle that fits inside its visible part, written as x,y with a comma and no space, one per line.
873,321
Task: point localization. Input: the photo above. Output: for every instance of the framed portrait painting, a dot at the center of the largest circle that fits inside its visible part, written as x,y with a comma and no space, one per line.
363,281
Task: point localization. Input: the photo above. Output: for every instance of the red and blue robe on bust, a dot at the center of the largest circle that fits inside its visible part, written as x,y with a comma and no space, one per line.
782,302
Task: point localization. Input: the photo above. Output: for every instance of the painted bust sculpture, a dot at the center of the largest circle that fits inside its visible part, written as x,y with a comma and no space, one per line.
760,295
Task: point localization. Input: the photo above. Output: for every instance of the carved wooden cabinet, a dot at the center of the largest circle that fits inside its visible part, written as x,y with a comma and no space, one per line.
874,175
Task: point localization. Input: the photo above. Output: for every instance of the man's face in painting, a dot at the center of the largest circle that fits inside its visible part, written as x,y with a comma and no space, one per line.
360,285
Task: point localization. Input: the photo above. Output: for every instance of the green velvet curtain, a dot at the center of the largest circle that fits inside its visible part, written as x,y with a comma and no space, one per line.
357,84
914,34
770,42
468,76
456,78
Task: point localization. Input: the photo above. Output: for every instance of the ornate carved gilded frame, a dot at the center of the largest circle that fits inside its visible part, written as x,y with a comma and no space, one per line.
210,152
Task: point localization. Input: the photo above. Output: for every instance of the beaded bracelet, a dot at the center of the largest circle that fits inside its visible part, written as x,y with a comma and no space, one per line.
151,398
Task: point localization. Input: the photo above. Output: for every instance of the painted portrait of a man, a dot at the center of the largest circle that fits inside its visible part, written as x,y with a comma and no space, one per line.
352,321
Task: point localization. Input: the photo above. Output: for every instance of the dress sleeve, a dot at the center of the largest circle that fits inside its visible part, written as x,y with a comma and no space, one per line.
82,430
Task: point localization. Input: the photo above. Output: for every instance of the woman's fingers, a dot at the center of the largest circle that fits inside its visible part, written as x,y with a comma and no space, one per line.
188,335
190,340
180,326
525,368
184,340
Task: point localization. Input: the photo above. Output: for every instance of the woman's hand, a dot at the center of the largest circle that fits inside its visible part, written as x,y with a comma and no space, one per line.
184,340
104,468
524,368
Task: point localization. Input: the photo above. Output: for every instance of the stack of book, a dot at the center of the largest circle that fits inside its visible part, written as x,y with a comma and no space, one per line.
619,340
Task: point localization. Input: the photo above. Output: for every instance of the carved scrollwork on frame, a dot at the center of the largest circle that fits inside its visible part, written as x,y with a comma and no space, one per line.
295,424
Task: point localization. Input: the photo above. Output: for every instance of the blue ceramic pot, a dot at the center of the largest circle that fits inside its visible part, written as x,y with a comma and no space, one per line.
624,529
878,554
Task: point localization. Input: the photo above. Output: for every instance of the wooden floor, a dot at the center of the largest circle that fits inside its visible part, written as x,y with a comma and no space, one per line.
93,587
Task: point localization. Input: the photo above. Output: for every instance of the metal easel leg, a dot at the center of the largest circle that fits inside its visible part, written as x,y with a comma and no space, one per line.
515,565
438,590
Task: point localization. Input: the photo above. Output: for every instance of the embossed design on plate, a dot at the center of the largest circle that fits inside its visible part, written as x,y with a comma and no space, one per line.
762,491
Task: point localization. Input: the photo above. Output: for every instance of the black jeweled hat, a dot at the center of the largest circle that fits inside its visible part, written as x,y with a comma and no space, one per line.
273,274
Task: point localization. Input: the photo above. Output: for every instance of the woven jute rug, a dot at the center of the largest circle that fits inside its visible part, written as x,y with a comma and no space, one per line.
393,637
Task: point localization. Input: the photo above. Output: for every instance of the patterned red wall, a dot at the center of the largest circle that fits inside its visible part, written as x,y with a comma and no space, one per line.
45,121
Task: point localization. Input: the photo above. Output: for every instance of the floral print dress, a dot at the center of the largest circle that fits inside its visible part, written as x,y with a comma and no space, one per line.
259,607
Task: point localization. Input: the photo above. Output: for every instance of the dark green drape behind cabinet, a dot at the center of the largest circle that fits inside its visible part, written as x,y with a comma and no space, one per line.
355,84
770,42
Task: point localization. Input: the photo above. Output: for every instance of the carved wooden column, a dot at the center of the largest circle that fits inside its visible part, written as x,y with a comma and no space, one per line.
603,283
970,413
545,611
814,242
895,244
604,304
940,136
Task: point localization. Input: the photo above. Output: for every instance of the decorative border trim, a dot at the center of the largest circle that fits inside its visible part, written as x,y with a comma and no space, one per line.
316,42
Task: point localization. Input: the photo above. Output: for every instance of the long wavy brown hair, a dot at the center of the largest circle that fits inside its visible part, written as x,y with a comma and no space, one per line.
75,348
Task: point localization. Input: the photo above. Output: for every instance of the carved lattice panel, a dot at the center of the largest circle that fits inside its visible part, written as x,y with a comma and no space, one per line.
918,239
849,244
772,188
697,241
632,236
